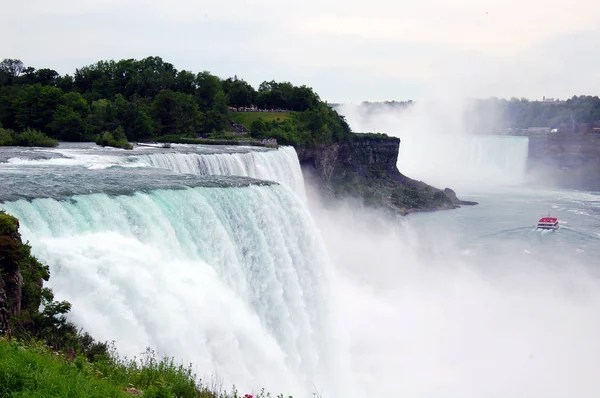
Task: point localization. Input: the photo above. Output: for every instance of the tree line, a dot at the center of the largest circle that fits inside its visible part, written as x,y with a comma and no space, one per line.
498,115
522,113
150,98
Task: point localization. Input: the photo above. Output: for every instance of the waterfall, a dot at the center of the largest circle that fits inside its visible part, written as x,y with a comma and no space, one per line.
464,161
232,279
273,165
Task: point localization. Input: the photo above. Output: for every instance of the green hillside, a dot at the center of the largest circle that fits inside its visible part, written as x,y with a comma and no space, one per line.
246,118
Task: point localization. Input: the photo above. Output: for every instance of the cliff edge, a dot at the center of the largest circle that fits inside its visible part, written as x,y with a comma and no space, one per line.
365,168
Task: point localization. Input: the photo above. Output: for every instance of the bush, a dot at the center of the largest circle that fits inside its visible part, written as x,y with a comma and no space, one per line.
28,137
116,139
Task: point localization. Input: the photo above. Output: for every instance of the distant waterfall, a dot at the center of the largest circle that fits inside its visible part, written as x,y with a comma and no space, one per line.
232,279
463,161
274,165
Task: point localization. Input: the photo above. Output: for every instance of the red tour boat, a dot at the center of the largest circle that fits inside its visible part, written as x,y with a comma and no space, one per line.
548,223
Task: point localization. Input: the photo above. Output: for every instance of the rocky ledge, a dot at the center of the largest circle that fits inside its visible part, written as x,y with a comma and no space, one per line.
365,168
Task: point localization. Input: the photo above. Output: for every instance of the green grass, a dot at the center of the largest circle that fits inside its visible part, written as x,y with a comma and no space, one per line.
34,370
246,118
37,372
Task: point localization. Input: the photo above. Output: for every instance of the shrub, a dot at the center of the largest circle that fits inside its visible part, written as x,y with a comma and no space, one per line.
116,139
28,137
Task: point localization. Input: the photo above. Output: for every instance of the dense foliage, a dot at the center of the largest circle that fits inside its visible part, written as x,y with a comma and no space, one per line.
150,98
318,125
28,137
115,139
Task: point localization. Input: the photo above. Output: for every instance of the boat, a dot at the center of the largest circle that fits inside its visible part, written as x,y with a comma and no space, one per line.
548,223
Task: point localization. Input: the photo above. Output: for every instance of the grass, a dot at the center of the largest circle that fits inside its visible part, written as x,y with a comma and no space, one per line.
34,370
246,118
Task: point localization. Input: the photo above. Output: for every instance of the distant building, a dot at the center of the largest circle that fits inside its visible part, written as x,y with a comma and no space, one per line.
540,130
552,101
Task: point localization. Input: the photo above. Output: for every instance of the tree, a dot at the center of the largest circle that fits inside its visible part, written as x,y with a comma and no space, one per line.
67,124
12,67
239,93
103,117
175,113
208,87
133,117
35,106
185,82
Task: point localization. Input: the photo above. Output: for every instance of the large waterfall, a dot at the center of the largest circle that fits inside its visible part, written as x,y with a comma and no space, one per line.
168,249
233,279
461,161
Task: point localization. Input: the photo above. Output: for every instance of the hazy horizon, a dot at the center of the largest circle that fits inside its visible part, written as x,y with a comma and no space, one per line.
347,51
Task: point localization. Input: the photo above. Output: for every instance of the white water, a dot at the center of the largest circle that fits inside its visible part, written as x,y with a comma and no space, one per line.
234,280
467,303
281,165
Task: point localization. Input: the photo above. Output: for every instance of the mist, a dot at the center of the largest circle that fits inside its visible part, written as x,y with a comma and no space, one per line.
471,302
429,314
445,144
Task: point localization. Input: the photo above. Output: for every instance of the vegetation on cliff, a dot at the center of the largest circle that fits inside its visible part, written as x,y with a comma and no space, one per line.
150,98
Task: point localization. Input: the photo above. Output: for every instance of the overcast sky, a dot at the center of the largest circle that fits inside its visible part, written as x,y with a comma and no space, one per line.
346,50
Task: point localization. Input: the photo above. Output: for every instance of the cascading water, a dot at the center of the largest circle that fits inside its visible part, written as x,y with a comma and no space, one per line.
233,279
281,165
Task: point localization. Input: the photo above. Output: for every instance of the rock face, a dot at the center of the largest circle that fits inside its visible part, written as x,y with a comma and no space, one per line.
565,160
11,280
365,168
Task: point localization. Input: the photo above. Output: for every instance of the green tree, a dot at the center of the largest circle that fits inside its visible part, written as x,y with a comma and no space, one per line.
103,117
175,113
208,88
239,93
10,69
67,124
35,106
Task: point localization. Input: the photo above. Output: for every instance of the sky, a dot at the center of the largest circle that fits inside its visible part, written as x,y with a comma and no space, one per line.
348,51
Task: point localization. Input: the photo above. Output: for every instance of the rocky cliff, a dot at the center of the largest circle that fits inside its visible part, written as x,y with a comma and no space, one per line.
565,160
11,280
365,168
